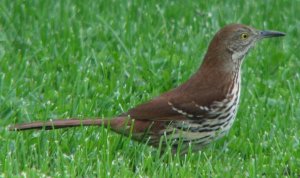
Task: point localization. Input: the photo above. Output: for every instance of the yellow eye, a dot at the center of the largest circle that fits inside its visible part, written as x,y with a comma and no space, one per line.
244,36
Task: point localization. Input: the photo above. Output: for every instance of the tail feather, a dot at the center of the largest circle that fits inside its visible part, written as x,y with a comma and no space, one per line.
58,124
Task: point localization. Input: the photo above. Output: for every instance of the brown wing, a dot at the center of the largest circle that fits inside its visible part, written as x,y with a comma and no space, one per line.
175,105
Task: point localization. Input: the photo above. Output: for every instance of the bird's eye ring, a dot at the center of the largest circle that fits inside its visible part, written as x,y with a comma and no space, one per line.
244,36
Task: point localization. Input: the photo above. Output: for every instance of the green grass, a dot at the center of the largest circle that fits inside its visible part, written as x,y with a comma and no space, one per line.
68,58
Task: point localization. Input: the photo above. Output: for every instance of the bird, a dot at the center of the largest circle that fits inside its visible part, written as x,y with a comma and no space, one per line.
195,113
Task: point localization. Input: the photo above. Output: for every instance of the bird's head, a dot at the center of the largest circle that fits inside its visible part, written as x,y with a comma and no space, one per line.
238,39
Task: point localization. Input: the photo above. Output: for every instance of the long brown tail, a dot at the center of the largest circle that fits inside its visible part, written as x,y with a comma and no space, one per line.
58,124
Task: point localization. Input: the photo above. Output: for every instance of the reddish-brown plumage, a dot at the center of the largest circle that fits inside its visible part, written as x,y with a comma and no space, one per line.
198,111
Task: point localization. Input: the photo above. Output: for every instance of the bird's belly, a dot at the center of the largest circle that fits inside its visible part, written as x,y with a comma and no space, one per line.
199,134
202,133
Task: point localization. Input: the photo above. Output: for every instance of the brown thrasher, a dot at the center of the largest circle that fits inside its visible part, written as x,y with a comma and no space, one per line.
197,112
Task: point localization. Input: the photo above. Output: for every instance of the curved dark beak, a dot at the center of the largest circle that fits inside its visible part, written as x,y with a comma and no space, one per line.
270,34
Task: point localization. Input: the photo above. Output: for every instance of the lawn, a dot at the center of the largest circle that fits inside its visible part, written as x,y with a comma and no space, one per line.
72,58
